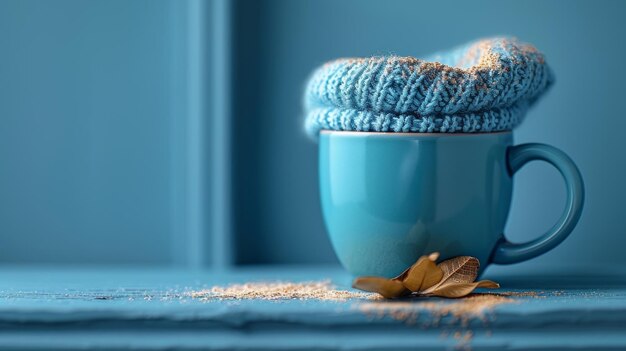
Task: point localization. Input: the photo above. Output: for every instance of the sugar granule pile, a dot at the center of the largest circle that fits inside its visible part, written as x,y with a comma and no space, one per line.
315,290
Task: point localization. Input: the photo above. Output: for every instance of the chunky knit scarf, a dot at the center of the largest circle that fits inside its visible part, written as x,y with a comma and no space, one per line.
484,86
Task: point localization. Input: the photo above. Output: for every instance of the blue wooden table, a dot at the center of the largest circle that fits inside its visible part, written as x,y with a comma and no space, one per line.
152,309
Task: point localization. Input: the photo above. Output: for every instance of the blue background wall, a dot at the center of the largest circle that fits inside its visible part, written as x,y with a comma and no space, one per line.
108,113
90,95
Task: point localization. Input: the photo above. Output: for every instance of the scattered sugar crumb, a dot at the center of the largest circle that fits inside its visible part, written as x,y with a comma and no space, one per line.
472,306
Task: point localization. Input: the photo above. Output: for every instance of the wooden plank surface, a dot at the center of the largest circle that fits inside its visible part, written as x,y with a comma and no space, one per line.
153,309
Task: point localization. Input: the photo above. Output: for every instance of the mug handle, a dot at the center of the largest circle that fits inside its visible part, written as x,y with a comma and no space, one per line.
517,156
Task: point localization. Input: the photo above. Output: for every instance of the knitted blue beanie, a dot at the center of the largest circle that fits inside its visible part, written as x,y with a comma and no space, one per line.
484,86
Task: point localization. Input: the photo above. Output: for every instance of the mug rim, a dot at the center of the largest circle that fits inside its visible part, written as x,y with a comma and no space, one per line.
405,134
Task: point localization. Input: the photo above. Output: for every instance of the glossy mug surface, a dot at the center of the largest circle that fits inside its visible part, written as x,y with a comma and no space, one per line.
388,198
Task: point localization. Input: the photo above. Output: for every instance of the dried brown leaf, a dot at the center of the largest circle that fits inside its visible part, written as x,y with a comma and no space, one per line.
487,284
433,257
423,274
403,275
462,269
453,289
451,278
388,288
433,276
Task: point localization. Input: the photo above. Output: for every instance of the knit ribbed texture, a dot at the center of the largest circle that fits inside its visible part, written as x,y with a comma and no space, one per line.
484,86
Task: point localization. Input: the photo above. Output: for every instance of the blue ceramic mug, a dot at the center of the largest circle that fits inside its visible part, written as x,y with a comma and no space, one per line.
388,198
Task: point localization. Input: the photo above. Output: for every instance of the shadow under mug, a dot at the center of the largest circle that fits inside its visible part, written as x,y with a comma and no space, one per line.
388,198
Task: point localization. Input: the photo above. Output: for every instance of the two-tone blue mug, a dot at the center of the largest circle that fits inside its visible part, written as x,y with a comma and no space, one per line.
388,198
